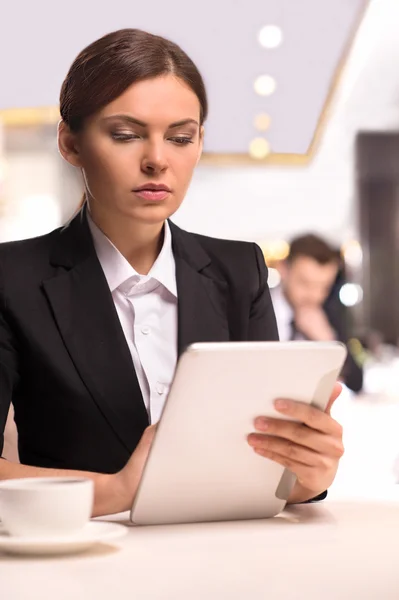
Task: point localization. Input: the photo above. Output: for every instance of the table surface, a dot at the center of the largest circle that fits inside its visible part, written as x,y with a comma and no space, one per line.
344,548
341,549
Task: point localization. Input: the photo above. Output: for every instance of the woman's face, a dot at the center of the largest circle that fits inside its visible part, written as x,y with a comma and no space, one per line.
138,153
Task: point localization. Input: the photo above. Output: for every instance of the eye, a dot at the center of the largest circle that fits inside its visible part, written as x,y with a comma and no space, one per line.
181,141
124,137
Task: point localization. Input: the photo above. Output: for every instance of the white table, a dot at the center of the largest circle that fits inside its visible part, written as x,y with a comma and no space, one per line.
336,550
371,440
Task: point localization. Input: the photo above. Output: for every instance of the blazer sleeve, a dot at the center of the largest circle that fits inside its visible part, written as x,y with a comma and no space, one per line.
262,321
8,363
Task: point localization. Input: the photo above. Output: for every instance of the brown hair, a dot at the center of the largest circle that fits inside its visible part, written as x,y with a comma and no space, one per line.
312,246
108,66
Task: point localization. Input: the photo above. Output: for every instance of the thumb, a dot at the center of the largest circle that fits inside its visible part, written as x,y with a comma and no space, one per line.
147,437
334,395
139,456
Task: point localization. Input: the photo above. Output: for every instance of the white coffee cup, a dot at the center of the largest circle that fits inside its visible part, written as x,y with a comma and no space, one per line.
45,506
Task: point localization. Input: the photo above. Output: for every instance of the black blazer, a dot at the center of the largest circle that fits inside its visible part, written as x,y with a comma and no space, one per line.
64,360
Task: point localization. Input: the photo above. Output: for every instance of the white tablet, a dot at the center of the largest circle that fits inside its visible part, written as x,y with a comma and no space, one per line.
200,467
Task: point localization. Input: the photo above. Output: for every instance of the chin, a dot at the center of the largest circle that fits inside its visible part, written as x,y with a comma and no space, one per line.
151,215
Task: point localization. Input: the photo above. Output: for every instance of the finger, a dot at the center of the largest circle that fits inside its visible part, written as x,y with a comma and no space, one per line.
309,415
147,437
301,435
293,453
306,476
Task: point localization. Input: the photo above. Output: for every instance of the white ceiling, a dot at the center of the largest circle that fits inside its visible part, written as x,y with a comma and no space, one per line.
280,202
39,40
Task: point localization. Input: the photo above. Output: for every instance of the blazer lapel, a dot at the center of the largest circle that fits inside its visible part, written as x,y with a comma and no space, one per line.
202,296
89,325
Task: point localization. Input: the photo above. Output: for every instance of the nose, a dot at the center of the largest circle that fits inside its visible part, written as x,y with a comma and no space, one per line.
154,158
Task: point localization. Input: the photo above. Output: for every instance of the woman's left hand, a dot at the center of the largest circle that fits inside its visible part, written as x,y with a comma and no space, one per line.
310,448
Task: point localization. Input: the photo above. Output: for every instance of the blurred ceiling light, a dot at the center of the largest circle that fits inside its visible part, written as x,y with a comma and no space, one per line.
353,254
270,36
259,148
274,278
262,121
351,294
265,85
275,251
281,250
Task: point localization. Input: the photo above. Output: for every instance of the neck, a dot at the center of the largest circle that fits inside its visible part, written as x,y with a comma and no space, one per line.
139,243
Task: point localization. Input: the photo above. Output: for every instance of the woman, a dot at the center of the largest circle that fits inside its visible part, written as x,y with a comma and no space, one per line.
94,315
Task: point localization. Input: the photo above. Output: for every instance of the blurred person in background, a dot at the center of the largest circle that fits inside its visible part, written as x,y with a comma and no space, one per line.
305,304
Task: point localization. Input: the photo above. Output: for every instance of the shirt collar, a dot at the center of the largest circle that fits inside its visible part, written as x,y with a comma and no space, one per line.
118,270
164,268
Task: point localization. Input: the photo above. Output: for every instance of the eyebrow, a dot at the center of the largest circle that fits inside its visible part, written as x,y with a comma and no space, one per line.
130,119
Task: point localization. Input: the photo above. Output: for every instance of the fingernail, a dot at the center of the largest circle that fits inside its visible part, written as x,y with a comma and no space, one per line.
252,440
281,404
261,424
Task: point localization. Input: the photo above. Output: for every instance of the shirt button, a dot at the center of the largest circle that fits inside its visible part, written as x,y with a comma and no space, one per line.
160,388
145,330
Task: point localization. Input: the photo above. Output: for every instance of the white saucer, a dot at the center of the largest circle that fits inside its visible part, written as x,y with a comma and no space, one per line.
93,533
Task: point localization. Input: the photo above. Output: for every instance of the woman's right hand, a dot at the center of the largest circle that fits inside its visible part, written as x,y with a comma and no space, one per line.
126,482
113,493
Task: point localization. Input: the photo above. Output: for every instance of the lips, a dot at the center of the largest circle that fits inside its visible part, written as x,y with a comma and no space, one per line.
153,192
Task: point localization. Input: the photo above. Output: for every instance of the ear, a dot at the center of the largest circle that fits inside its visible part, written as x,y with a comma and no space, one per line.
201,143
67,144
